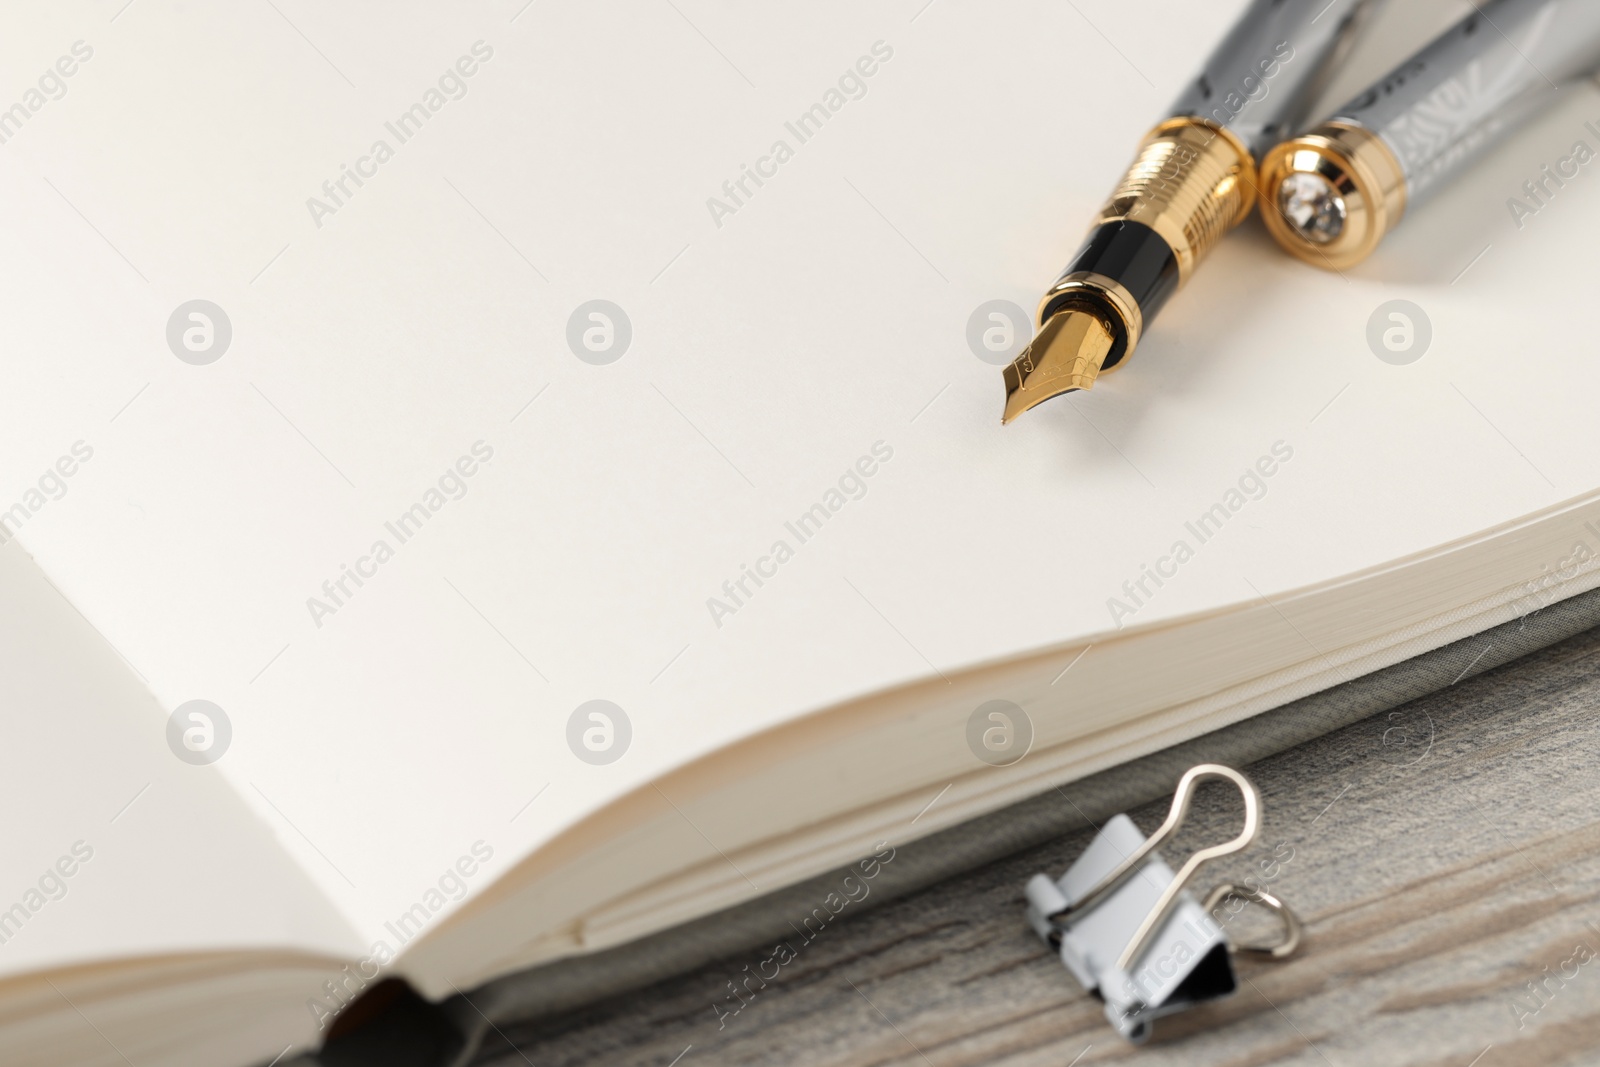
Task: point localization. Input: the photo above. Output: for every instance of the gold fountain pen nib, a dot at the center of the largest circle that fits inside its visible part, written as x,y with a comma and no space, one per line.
1066,355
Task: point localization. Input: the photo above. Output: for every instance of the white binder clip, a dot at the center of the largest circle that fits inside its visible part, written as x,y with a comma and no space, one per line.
1129,931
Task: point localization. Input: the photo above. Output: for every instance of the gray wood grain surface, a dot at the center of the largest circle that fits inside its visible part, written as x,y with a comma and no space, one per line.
1445,857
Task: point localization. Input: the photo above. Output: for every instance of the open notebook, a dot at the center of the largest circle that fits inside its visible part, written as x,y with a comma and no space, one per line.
397,502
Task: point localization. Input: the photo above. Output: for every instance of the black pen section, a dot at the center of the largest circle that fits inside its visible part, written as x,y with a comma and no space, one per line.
1136,258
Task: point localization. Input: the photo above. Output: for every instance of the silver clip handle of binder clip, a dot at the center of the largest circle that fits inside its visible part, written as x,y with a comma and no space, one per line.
1251,895
1181,800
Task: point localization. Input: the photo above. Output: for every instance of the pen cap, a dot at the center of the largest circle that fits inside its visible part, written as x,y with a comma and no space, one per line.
1331,195
1474,82
1261,82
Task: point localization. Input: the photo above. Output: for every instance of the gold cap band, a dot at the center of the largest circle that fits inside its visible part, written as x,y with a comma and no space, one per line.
1331,195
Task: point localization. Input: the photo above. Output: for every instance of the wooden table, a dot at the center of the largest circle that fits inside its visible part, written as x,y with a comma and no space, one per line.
1445,857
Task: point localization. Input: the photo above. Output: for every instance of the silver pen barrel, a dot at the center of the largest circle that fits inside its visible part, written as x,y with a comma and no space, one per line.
1331,195
1263,79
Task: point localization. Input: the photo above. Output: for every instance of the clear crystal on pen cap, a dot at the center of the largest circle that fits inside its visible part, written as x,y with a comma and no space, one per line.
1312,206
